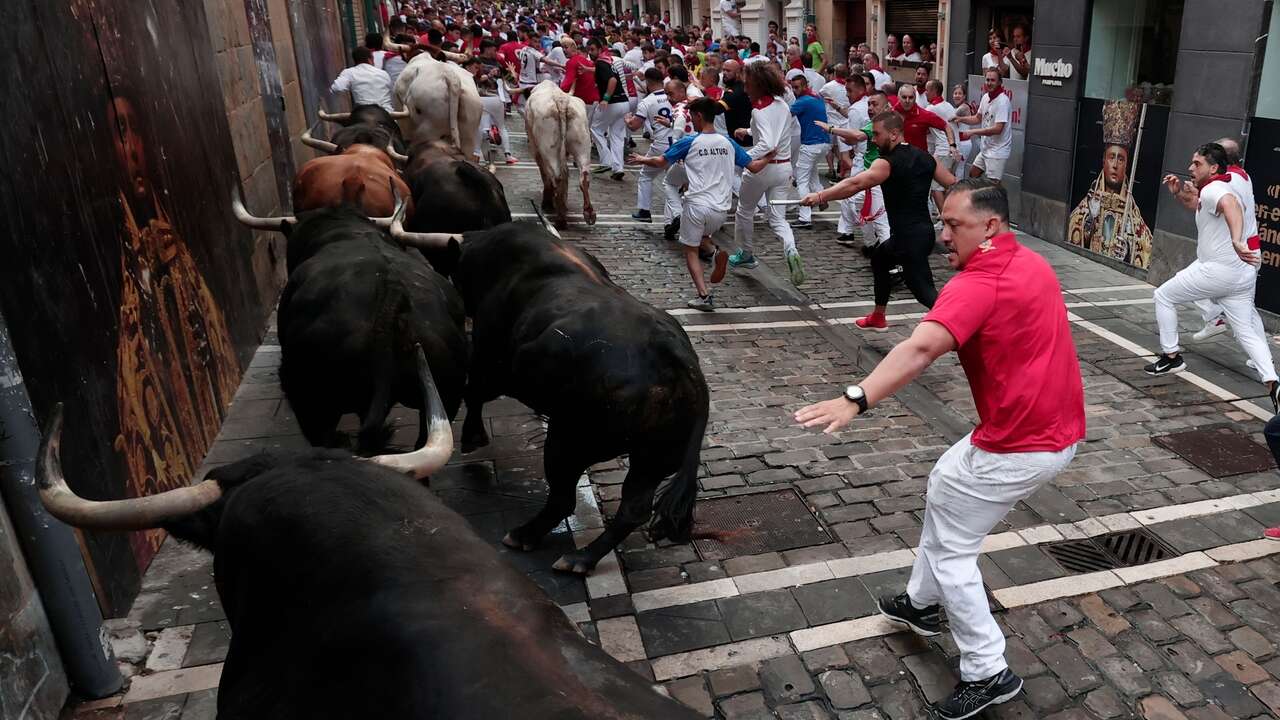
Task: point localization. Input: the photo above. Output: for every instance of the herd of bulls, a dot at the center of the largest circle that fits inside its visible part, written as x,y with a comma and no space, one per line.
351,590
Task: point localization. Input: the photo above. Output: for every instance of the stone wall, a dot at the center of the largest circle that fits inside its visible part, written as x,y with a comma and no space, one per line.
32,684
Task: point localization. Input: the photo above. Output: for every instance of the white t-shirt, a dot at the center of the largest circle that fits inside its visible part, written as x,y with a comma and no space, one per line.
996,146
857,119
1244,192
1013,70
709,159
529,60
655,105
1213,236
834,90
556,74
938,138
962,145
680,123
881,78
368,85
989,61
729,25
913,57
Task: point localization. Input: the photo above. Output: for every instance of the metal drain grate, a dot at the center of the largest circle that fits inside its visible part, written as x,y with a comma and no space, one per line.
1220,452
756,523
1121,549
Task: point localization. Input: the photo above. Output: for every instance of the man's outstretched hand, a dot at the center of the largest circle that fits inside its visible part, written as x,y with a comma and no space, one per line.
835,414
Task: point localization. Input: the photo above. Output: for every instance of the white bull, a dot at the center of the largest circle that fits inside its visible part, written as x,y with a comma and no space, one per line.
442,102
556,125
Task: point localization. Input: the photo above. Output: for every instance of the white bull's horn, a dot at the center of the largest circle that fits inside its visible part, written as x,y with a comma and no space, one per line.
324,145
132,514
334,117
391,150
425,241
399,114
428,459
257,223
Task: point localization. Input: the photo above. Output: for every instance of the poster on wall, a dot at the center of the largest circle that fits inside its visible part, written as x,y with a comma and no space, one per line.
1116,179
1262,161
127,288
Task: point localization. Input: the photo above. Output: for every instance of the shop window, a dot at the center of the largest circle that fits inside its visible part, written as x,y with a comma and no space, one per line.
1133,50
1004,27
912,32
1269,90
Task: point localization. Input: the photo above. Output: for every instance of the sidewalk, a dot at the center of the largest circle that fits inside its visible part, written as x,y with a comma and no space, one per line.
780,622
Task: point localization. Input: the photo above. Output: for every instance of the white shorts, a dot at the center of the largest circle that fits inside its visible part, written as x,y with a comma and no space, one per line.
991,167
947,162
698,221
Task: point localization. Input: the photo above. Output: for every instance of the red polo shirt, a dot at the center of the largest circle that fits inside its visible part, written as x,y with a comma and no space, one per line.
580,79
1006,313
916,124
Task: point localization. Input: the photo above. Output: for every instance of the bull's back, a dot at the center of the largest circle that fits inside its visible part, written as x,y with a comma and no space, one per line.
360,181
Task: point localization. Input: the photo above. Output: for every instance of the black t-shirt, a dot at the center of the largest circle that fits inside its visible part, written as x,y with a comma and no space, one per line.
604,71
906,191
738,114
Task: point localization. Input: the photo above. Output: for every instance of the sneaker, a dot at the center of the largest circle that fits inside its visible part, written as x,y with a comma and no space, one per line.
642,216
744,260
874,322
512,159
845,240
671,230
866,251
618,176
719,264
896,270
971,698
801,225
796,266
898,608
1166,364
1217,327
1271,533
703,303
600,169
1273,392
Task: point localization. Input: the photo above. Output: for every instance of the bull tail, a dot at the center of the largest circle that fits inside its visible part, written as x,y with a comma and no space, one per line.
455,93
673,510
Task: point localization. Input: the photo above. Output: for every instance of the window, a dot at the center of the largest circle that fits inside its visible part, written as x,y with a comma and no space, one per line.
1269,90
1133,50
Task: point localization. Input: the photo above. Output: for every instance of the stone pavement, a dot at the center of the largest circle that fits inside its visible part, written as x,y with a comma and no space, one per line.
784,626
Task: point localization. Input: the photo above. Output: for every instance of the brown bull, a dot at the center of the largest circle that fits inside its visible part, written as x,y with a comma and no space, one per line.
361,176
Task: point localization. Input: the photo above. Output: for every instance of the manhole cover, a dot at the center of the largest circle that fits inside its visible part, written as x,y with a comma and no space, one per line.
1122,549
1220,452
756,523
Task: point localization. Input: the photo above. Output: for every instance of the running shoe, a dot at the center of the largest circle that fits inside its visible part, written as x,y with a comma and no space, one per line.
642,216
617,176
1211,329
744,260
512,159
1166,364
925,622
719,264
600,169
796,265
703,303
846,240
874,322
1271,533
801,225
971,698
671,230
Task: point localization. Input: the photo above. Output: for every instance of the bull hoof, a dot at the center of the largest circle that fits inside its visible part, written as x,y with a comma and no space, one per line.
578,563
589,214
510,541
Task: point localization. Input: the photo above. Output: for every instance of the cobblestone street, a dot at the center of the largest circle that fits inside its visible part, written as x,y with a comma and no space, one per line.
784,625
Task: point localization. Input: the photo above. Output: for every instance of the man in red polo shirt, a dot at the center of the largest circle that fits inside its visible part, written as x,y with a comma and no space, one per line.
1003,313
916,120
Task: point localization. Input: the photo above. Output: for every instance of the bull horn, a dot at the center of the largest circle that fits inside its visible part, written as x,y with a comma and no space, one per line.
141,513
322,145
391,150
334,117
432,456
257,223
423,241
399,114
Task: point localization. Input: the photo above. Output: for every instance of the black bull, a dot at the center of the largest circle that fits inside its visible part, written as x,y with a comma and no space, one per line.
613,376
352,592
452,194
353,310
364,119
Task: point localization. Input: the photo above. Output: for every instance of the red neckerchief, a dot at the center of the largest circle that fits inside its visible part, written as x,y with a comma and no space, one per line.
1238,171
996,93
936,100
1223,177
714,92
762,103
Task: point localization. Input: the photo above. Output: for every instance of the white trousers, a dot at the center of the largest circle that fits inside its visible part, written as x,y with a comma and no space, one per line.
609,132
969,491
493,114
644,183
1230,289
807,180
773,182
671,184
872,218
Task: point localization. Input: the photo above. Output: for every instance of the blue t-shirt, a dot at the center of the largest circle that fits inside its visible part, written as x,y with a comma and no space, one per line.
808,109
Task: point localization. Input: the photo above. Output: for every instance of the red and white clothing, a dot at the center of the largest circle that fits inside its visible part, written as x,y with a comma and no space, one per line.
994,150
1005,311
771,125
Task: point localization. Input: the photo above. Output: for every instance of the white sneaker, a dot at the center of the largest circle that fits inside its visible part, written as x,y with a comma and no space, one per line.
1217,327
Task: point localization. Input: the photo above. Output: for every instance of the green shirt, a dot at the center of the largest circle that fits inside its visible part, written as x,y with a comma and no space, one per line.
873,152
815,50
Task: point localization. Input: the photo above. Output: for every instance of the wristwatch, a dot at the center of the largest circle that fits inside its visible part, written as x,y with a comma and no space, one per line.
854,394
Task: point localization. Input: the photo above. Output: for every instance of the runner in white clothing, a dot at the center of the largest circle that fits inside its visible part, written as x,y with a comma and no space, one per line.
709,159
654,106
995,118
730,12
1224,270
